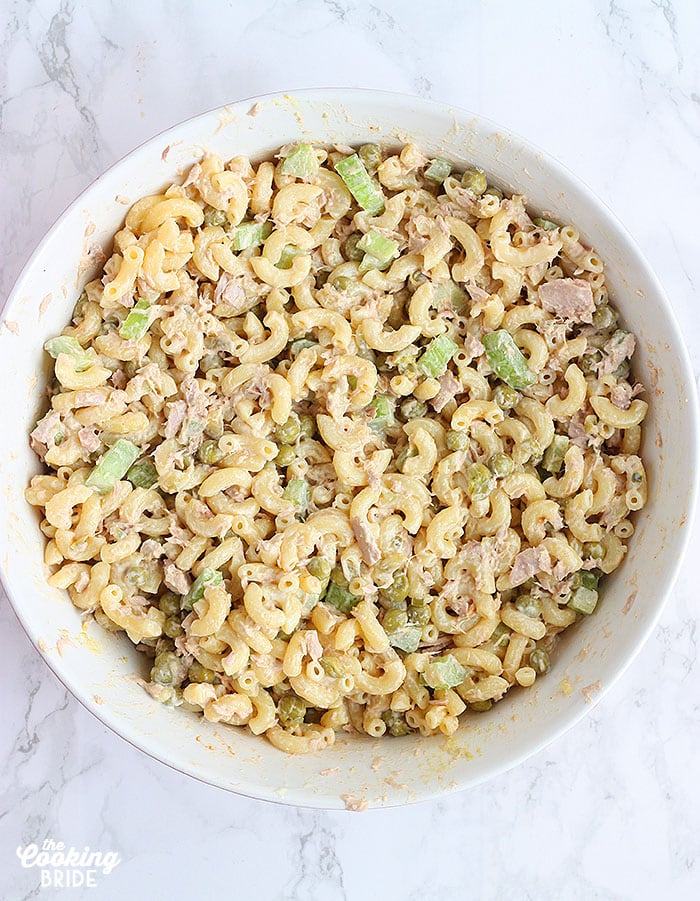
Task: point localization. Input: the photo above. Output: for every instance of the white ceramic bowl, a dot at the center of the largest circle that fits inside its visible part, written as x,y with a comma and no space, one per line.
99,668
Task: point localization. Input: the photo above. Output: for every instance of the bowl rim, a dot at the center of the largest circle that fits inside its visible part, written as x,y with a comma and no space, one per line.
326,799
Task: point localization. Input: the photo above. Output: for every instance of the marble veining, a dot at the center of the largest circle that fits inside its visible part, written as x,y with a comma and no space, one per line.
611,87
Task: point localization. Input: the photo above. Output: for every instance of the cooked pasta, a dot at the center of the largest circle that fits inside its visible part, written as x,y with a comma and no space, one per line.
341,441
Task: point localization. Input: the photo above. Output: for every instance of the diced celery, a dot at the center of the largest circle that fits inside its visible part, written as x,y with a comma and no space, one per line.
554,455
369,262
583,600
438,170
406,639
143,474
113,466
297,491
137,322
206,579
545,224
301,162
365,191
250,234
444,672
437,355
380,248
308,602
451,293
383,413
289,251
63,344
506,360
340,598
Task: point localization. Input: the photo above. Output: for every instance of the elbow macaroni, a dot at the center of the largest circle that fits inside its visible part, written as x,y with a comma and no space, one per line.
316,513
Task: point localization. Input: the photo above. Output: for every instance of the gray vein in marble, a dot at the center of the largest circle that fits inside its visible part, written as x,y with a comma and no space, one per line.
320,873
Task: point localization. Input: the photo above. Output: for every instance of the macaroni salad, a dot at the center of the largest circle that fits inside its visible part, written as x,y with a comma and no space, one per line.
341,441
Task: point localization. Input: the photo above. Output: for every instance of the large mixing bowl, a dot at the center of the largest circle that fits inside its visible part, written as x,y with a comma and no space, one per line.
100,668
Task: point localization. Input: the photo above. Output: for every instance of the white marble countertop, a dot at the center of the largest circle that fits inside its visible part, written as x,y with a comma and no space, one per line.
611,810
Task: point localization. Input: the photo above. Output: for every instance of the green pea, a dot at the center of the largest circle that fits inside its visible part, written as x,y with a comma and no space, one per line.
331,666
396,724
545,224
289,431
416,279
371,155
398,590
169,603
199,673
529,605
285,455
296,347
623,370
350,248
172,627
80,305
585,579
404,360
506,397
500,465
594,550
210,361
480,706
319,568
215,217
496,192
291,709
165,668
539,661
210,452
479,481
475,181
604,317
413,408
418,616
394,619
457,441
307,425
338,577
136,576
590,361
342,283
